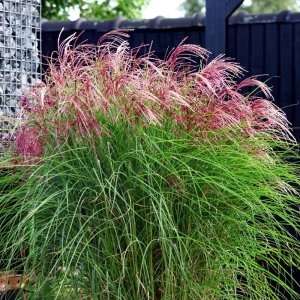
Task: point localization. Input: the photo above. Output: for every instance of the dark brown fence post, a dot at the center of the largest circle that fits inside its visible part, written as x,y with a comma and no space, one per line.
217,14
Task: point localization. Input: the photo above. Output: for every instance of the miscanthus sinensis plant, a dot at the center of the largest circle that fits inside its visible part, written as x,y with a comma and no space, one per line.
137,178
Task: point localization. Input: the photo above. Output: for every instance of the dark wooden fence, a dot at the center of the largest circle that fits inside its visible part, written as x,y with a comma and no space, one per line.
263,44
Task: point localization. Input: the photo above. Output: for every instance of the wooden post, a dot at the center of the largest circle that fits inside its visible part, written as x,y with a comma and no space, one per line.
217,14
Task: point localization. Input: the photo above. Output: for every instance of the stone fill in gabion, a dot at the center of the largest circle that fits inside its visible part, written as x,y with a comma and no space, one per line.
19,51
20,33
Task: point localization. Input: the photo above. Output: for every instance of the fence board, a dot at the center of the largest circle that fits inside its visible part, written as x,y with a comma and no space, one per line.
272,58
257,44
297,80
243,46
231,42
286,69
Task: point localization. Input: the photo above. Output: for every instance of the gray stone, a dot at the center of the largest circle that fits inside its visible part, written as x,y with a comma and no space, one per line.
15,65
19,60
19,92
12,103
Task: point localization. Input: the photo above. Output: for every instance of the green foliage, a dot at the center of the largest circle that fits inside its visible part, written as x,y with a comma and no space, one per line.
101,10
269,6
190,7
57,9
151,215
130,9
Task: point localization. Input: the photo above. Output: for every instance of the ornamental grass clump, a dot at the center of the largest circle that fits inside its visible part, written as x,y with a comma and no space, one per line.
132,177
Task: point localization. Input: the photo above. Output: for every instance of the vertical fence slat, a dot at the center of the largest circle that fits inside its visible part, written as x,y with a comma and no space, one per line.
286,69
297,80
195,37
231,41
243,46
257,55
272,58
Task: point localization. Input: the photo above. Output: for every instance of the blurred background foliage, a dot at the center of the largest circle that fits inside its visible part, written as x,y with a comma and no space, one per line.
93,9
132,9
190,7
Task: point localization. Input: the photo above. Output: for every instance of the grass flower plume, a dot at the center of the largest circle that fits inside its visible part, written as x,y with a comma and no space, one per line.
140,178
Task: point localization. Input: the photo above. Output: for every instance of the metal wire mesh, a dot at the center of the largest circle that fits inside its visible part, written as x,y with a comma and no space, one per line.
20,37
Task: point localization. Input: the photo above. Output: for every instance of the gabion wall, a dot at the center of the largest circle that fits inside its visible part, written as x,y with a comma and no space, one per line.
20,33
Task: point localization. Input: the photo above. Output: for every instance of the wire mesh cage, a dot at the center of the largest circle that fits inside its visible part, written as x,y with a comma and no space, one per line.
20,34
